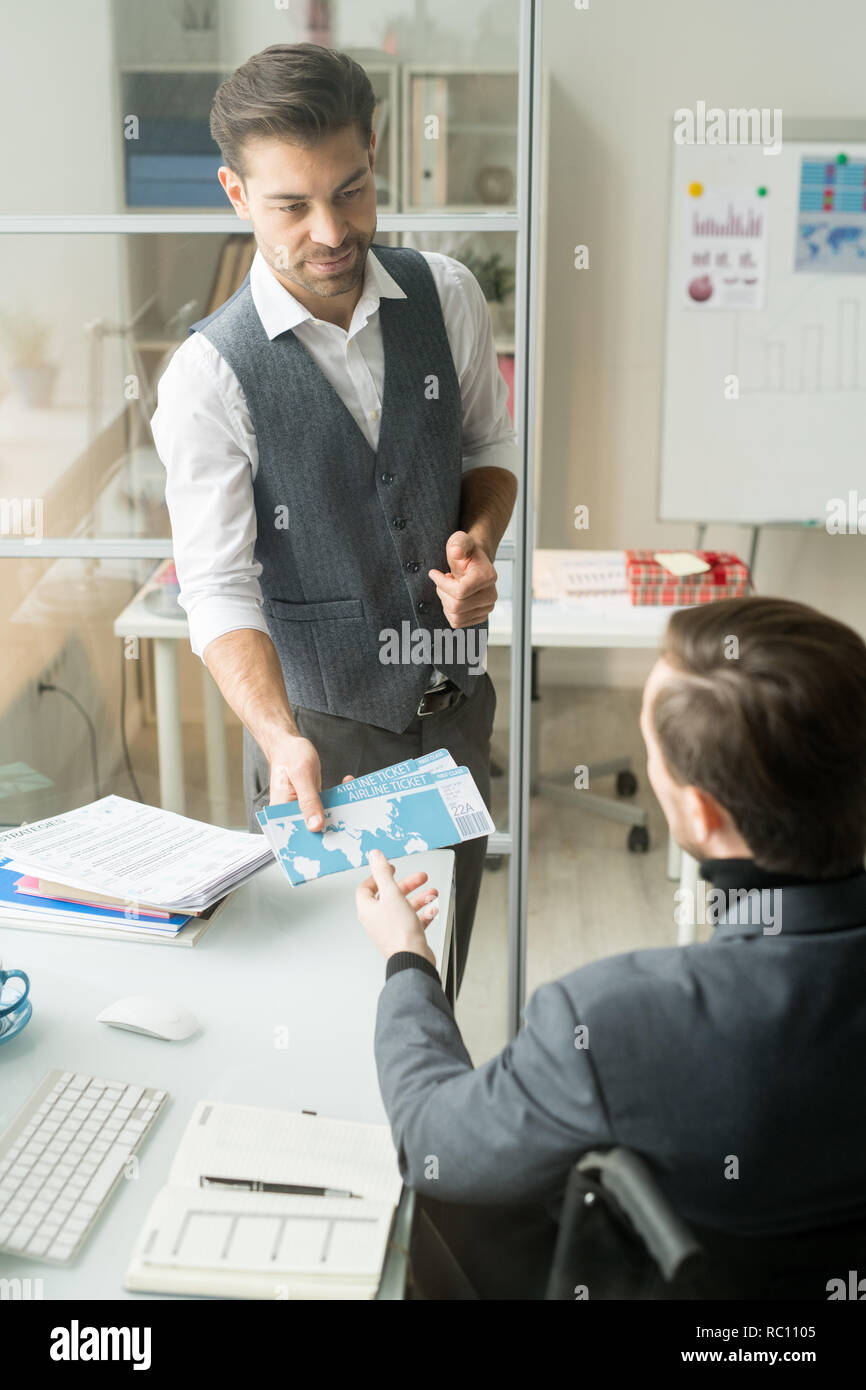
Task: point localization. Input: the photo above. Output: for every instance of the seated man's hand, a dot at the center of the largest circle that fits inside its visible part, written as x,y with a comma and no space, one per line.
468,593
393,912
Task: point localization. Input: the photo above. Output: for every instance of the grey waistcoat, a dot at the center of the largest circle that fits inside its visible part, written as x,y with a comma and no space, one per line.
346,535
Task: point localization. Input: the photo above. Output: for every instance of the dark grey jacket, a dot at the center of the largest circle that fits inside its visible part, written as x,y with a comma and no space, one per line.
735,1067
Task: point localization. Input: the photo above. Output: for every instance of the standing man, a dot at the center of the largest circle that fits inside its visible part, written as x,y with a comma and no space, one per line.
340,463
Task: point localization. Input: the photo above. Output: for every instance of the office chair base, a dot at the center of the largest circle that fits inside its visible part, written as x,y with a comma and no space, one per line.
559,787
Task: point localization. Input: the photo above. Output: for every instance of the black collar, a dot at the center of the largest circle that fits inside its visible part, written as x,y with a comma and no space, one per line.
800,904
745,873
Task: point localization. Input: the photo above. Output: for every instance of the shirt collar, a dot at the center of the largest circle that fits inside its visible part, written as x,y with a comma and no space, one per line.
784,902
280,311
745,873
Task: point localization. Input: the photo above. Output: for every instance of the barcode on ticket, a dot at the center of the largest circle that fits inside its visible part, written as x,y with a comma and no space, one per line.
471,824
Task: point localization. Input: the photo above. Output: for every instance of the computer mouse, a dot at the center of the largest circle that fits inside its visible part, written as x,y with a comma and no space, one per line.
158,1018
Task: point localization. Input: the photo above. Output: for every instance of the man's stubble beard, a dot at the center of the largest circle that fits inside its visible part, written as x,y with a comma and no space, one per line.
326,288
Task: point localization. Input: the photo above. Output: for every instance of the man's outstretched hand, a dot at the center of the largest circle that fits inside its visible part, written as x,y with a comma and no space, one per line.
296,775
468,593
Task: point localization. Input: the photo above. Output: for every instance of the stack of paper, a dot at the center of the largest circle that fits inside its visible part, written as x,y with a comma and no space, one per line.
21,904
126,866
423,803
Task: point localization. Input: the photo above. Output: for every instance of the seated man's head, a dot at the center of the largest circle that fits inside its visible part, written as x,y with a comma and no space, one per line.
754,719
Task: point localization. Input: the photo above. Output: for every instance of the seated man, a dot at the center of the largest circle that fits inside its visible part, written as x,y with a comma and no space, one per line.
734,1067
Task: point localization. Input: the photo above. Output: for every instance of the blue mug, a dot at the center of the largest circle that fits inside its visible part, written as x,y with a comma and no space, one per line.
18,1001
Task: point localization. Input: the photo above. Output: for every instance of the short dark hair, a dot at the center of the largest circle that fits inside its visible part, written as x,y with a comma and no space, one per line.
296,91
776,731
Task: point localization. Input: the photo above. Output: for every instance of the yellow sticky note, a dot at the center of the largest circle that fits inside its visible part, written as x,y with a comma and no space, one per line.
680,561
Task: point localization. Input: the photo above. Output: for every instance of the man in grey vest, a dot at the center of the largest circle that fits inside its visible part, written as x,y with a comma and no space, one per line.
340,463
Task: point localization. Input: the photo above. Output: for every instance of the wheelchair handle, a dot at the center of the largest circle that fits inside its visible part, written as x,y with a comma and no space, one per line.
630,1182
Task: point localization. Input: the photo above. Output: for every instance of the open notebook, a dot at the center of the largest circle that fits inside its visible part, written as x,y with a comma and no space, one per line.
232,1243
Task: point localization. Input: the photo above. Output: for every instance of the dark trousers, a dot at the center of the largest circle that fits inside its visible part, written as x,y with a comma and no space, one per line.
347,746
462,1253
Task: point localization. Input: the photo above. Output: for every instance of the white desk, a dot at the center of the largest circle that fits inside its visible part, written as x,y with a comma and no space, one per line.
276,956
609,622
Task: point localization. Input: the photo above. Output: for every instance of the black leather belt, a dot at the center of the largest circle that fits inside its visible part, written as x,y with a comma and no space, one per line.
442,696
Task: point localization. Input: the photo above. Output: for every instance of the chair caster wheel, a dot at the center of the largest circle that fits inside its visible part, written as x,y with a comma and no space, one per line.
638,839
626,783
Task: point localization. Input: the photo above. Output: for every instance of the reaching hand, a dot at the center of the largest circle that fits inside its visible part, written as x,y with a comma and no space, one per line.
393,913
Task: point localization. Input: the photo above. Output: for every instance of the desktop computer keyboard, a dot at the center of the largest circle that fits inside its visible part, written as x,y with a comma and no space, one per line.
62,1157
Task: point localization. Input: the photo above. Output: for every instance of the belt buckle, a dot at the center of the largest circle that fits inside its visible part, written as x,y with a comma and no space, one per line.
442,699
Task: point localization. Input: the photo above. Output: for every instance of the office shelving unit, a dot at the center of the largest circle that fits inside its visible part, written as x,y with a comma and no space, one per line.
170,166
442,174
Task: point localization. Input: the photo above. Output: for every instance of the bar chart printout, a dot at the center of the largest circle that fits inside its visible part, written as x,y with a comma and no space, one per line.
724,250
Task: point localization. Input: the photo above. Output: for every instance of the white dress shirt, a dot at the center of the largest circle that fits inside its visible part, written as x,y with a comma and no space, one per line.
205,438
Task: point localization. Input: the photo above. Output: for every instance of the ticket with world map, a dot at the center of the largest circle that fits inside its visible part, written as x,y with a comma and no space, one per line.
414,810
439,761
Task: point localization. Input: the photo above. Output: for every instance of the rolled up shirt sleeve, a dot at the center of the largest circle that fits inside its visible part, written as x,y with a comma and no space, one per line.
488,435
199,434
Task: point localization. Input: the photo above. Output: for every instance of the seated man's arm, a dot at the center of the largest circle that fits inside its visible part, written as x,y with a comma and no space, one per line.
508,1131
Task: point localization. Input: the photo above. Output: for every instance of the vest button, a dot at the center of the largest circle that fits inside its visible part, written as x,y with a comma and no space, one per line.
412,566
387,477
399,522
422,607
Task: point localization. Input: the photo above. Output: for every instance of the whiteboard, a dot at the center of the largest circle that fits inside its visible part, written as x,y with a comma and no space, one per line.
764,397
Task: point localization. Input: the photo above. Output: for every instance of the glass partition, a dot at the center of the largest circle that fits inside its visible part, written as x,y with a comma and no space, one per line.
92,704
114,238
135,137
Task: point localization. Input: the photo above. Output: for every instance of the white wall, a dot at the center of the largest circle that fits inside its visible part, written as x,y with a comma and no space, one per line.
618,71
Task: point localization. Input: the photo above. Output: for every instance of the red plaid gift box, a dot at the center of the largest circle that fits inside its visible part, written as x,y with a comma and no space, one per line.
650,583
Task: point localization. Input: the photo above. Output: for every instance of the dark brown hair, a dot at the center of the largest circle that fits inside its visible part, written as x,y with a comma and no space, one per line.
767,713
295,91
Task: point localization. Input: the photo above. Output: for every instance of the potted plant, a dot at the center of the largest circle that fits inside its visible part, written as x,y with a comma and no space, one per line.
32,376
496,279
